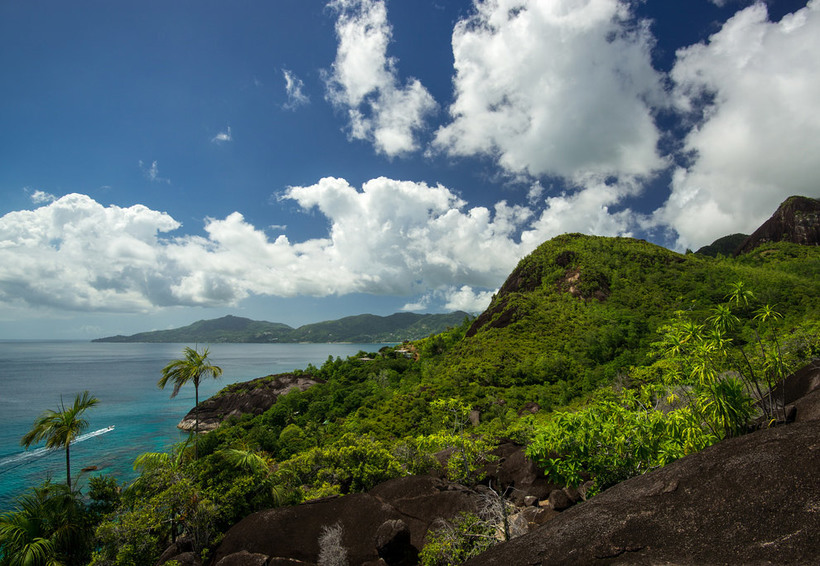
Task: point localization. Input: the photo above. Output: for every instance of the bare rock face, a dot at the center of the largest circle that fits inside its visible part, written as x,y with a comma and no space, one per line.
511,471
797,220
254,397
387,525
748,500
244,558
798,396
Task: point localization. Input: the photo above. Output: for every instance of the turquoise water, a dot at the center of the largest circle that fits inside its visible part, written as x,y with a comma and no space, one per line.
35,375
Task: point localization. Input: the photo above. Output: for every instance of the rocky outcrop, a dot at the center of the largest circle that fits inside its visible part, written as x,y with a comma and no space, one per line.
797,220
511,471
388,523
748,500
251,397
796,398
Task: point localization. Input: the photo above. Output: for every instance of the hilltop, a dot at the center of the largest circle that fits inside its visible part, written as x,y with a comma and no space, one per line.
365,328
580,309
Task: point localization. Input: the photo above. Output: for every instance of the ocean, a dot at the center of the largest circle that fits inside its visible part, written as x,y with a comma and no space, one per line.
36,376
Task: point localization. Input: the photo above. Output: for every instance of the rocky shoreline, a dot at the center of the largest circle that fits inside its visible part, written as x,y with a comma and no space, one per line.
251,397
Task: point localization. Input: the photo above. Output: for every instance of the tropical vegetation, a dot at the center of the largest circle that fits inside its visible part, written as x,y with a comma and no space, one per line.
606,357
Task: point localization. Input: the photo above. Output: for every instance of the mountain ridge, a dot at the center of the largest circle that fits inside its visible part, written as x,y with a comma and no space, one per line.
364,328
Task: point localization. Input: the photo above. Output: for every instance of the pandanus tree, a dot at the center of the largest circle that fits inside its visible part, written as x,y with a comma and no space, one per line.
192,368
61,427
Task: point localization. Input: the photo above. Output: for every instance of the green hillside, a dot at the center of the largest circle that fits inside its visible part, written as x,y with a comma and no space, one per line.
581,309
727,245
366,328
371,328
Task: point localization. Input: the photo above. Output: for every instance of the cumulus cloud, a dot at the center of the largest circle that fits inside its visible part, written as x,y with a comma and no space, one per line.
453,298
752,91
588,211
364,81
555,87
294,88
221,137
405,237
468,299
76,254
389,237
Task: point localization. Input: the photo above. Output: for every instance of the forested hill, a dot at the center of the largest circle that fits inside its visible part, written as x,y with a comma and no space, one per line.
364,328
580,310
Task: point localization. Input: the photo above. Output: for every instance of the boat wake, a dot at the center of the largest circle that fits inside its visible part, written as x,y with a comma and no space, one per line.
12,461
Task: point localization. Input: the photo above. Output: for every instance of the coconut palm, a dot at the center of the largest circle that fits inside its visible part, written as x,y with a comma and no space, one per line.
61,427
192,368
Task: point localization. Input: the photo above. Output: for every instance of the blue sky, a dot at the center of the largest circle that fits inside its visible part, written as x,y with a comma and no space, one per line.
304,160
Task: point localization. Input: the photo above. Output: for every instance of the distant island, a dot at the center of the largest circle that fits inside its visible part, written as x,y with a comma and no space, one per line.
364,328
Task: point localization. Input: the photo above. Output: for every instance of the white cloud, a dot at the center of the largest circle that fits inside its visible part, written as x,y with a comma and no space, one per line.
39,197
389,237
421,304
152,172
555,87
221,137
586,211
405,238
294,88
75,254
468,299
452,298
364,81
753,89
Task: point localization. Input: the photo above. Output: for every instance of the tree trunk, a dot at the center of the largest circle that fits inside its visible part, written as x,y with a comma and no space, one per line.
196,421
67,467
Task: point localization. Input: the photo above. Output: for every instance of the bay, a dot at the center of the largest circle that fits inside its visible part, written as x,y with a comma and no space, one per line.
36,376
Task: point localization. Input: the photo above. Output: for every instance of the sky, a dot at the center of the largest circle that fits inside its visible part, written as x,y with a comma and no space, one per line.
303,160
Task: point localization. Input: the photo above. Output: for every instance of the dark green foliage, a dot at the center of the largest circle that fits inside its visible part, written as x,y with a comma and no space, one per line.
50,525
727,245
104,493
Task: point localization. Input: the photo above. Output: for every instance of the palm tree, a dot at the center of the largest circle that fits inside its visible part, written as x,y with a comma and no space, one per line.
50,526
60,428
193,368
159,471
